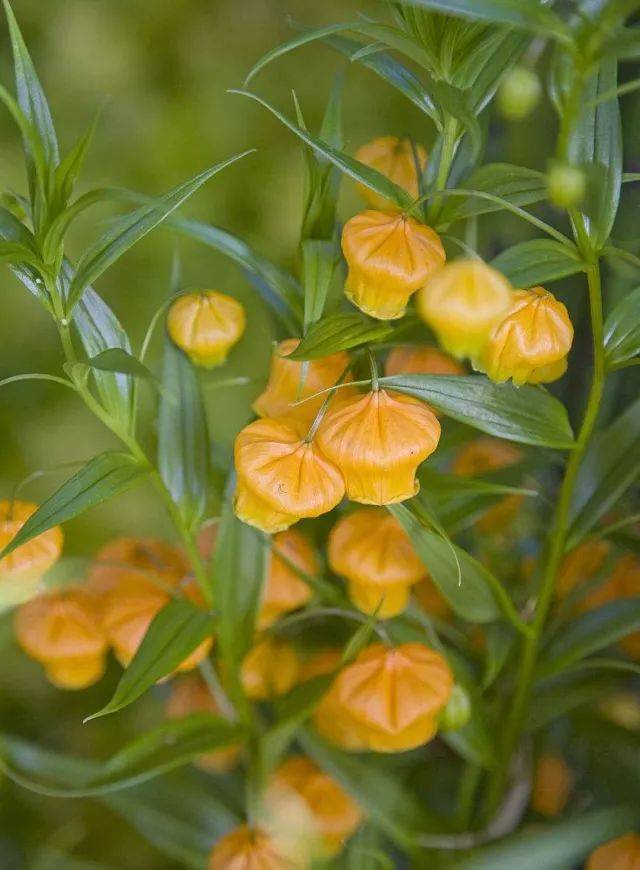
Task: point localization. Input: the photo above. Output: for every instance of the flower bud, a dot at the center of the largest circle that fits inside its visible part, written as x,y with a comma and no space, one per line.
389,257
24,567
462,303
566,185
206,325
519,93
333,815
291,381
372,550
284,589
531,342
458,710
623,853
61,630
270,669
378,440
390,697
190,695
397,159
552,784
282,477
490,454
246,848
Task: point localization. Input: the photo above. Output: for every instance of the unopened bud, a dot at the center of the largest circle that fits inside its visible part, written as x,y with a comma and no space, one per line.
519,93
566,185
458,710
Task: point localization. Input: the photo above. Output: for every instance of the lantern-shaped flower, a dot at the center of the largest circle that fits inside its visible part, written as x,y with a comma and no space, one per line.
247,848
284,589
24,567
389,256
552,785
61,630
371,549
378,440
391,697
530,343
332,813
291,382
138,559
490,454
206,325
402,161
282,476
623,853
462,303
190,694
421,360
270,669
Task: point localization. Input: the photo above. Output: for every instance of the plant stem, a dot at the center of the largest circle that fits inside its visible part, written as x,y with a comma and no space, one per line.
555,548
447,153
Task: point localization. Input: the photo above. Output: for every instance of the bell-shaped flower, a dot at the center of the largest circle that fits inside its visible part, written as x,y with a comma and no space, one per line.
24,567
206,325
400,160
623,853
247,848
269,669
284,589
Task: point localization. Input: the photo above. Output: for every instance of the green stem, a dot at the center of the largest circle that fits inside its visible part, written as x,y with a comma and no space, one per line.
448,152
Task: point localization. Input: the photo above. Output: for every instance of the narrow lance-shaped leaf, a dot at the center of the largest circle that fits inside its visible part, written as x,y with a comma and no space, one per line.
526,14
339,332
516,184
115,359
622,330
537,262
102,478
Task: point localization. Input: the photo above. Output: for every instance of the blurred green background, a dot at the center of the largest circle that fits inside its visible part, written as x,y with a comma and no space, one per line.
160,72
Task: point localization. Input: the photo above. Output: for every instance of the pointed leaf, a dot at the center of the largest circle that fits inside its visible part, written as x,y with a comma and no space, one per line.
622,330
339,332
529,15
537,262
515,184
115,359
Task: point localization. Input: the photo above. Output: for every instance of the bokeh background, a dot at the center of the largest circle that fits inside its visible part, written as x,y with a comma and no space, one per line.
160,71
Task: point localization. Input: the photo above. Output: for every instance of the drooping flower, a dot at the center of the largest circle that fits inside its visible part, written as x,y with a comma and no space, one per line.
269,669
490,454
389,256
26,565
282,476
61,629
390,698
552,784
421,360
378,440
623,853
206,325
138,559
371,549
246,848
530,343
400,160
284,589
291,382
462,303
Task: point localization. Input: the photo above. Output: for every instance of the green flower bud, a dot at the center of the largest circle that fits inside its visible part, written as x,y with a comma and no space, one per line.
458,710
566,185
519,93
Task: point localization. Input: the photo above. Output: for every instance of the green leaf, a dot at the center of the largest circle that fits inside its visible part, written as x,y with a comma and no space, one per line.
183,446
554,846
102,478
525,14
560,695
589,633
319,260
338,332
515,184
610,466
128,230
499,644
529,414
622,330
537,261
291,712
611,755
173,635
67,172
371,178
116,359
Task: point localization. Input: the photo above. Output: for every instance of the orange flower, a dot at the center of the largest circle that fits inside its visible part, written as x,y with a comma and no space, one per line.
149,560
490,454
378,440
580,565
291,381
334,816
462,303
399,160
431,600
284,590
390,697
552,785
320,663
61,630
26,564
270,669
191,695
247,848
282,477
422,360
389,257
530,343
371,549
206,325
623,853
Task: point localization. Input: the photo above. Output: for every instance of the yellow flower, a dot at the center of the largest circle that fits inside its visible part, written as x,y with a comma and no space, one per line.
397,159
623,853
378,440
270,669
206,325
282,477
389,697
374,553
389,256
552,785
531,341
284,589
25,566
291,381
61,630
421,360
462,303
246,848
